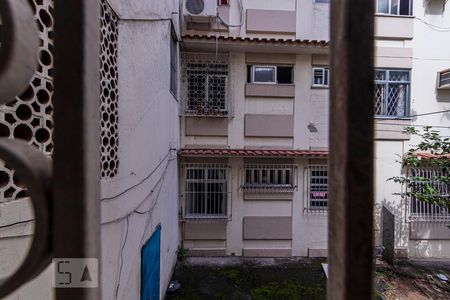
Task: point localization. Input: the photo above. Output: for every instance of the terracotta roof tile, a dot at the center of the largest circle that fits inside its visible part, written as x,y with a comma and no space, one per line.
187,152
428,155
318,43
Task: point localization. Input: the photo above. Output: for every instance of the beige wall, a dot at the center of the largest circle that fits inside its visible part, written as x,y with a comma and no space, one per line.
270,21
260,224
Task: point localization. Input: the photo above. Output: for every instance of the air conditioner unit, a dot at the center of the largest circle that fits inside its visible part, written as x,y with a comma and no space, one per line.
200,11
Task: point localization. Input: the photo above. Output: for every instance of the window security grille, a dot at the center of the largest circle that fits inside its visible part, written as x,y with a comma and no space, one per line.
392,93
206,190
444,79
109,96
422,211
29,116
318,188
394,7
269,178
205,87
321,77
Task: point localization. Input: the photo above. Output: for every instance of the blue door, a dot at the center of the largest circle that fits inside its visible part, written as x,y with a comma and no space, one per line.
150,267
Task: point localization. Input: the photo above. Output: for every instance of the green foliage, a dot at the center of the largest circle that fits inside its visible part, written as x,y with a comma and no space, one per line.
421,188
181,254
289,290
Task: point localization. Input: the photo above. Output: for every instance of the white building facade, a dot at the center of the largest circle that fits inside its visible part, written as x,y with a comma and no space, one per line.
254,124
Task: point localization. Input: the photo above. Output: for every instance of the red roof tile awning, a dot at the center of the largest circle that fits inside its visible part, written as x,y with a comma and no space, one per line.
428,155
186,152
297,42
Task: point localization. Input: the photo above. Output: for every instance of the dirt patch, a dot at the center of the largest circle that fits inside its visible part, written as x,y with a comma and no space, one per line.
412,280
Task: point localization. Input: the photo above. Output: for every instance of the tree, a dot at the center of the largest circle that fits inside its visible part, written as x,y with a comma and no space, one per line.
433,152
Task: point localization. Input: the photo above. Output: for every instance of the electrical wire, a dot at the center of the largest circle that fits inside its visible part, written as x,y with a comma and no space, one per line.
241,8
434,27
17,223
121,257
419,115
141,181
161,179
143,235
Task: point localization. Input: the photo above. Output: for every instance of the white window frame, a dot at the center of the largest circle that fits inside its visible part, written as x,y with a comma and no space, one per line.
326,76
264,82
203,203
410,13
388,82
443,86
257,184
310,186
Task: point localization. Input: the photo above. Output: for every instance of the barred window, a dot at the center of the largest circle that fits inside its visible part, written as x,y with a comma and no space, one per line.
205,84
392,93
420,210
206,191
318,188
269,178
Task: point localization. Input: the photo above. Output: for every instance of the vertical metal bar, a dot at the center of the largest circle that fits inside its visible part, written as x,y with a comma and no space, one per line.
351,150
76,156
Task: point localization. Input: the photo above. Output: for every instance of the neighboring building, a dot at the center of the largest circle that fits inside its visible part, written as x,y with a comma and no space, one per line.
139,138
254,125
414,41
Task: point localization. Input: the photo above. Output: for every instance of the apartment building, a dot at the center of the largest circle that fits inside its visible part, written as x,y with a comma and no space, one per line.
254,123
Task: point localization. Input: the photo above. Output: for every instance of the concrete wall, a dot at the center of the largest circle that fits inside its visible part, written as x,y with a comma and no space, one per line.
14,244
148,130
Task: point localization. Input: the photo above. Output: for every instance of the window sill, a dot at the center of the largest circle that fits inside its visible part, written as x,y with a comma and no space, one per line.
205,218
394,16
318,212
392,118
268,190
320,87
206,115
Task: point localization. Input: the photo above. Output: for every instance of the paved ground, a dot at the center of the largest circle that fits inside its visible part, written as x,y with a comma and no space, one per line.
300,278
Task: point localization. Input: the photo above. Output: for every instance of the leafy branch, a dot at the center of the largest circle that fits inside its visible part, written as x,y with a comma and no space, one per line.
435,189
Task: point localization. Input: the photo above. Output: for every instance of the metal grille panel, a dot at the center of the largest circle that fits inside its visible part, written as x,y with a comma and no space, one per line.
30,115
318,188
206,190
269,178
426,212
109,96
205,89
